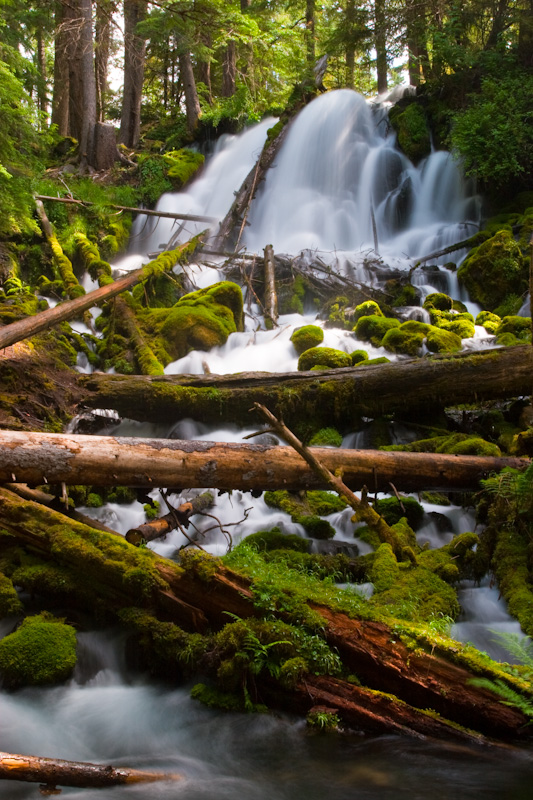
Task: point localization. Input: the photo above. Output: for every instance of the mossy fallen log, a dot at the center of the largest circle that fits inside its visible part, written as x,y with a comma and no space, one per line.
154,595
39,458
336,397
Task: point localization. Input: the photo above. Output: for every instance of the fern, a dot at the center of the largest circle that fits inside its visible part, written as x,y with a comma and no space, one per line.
508,695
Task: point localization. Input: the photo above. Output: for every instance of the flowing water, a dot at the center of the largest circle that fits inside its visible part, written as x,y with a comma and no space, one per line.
339,188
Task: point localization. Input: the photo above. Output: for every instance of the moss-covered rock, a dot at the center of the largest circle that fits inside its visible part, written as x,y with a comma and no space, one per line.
385,571
367,309
326,437
412,130
358,356
488,320
182,165
453,443
373,328
519,327
9,599
275,539
369,361
392,509
460,323
493,270
407,339
438,300
324,357
439,340
306,337
42,650
200,320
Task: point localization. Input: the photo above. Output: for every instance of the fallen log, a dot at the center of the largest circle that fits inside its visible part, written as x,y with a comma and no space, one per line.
163,525
62,263
146,211
201,597
29,326
329,397
54,771
38,458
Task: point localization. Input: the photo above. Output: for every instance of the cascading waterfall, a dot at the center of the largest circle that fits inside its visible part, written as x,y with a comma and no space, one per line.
337,172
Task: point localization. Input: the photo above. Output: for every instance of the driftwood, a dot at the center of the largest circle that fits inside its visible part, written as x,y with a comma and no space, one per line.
271,298
55,458
146,211
177,517
54,771
329,397
29,326
202,600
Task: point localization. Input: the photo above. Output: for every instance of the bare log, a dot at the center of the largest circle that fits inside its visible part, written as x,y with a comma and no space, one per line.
38,458
29,326
163,525
330,397
271,298
146,211
54,771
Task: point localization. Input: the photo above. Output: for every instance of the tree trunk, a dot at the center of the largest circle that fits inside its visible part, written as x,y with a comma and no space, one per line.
25,328
192,104
39,458
229,69
330,397
380,39
88,84
54,771
350,46
105,146
134,58
104,20
42,98
64,35
310,33
201,599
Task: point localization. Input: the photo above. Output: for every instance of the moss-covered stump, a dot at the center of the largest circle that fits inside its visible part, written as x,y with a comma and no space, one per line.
323,358
42,650
200,320
306,337
495,270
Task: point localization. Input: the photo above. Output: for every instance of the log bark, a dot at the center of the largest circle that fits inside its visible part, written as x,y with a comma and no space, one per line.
331,397
437,680
163,525
29,326
54,771
271,297
38,458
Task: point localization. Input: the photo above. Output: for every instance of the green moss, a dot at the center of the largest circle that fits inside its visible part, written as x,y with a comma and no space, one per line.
358,356
370,361
393,509
519,327
9,599
367,309
41,651
199,563
212,697
323,720
385,571
494,270
275,130
442,341
324,357
316,528
438,300
373,328
418,594
326,437
182,165
435,498
274,539
412,130
462,324
402,340
306,337
488,320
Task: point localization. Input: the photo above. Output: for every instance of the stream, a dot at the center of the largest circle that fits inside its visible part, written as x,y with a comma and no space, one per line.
337,169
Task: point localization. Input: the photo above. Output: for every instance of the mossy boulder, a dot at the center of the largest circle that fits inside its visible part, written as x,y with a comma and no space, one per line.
367,309
373,328
412,130
323,357
392,509
306,337
460,323
519,327
488,320
438,300
407,339
385,570
418,594
200,320
326,437
41,651
439,340
275,539
493,270
454,443
358,356
369,361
